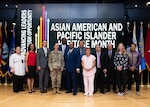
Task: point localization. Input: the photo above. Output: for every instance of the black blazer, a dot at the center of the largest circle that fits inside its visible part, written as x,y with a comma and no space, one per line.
102,60
109,62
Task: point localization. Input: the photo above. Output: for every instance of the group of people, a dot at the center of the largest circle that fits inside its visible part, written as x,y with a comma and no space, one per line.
72,68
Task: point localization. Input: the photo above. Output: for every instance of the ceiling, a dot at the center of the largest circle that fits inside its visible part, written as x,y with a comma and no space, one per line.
128,3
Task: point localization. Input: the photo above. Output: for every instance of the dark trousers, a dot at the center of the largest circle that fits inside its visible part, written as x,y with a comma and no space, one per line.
136,78
111,75
18,83
80,80
97,80
71,81
43,78
121,80
63,80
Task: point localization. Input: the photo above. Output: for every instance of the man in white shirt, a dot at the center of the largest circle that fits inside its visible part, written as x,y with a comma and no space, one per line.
17,65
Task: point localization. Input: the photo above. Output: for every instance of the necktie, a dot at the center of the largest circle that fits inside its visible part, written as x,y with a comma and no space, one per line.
110,53
98,60
69,52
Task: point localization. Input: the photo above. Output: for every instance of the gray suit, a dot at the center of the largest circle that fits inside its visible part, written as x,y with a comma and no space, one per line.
42,61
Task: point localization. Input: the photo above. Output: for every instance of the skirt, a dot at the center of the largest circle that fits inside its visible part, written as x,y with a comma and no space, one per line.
31,72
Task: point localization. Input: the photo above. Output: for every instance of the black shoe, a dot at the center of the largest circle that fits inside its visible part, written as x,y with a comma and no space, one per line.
22,90
74,93
30,92
16,91
33,91
114,91
68,92
80,90
107,91
102,92
41,91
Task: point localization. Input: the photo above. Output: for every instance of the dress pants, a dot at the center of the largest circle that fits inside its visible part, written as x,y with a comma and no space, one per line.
97,79
43,79
136,78
80,80
71,81
121,80
88,84
111,75
18,83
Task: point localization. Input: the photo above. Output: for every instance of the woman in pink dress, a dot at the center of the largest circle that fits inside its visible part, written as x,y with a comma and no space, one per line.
89,69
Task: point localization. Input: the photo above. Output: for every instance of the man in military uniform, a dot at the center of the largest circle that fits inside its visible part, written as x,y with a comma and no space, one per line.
56,65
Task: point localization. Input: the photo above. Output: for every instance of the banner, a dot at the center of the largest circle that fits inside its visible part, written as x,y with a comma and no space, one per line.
51,22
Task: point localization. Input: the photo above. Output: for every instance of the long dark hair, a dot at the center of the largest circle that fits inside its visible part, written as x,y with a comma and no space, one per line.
30,48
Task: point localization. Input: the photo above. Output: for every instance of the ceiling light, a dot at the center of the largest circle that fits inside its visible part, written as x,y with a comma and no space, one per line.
136,5
148,3
6,5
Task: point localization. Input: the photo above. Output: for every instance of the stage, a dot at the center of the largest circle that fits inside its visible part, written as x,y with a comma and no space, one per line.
24,99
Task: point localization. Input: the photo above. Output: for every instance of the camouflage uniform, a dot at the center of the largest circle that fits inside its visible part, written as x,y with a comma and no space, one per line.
56,63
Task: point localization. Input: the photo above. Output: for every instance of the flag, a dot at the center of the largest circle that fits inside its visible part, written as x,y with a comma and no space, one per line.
0,48
5,51
12,45
147,48
134,40
128,36
141,49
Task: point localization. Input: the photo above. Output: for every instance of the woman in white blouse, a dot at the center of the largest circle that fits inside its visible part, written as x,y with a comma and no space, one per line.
89,69
17,65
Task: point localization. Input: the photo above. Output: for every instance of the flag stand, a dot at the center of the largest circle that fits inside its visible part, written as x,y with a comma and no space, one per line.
5,80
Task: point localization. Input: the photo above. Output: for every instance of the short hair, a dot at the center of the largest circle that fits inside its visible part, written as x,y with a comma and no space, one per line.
87,49
133,44
81,40
44,40
17,46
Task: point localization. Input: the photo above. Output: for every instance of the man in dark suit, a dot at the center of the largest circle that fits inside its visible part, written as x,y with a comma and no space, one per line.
81,48
63,47
72,65
42,66
99,75
109,68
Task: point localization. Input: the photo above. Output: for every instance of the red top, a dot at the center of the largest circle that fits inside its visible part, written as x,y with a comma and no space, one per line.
31,59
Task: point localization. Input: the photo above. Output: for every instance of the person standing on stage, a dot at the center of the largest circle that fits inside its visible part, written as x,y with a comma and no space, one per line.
63,47
30,67
89,69
56,65
80,75
109,70
133,63
72,65
17,66
99,75
42,66
121,63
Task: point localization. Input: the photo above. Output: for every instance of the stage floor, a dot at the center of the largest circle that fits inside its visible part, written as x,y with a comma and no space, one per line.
24,99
